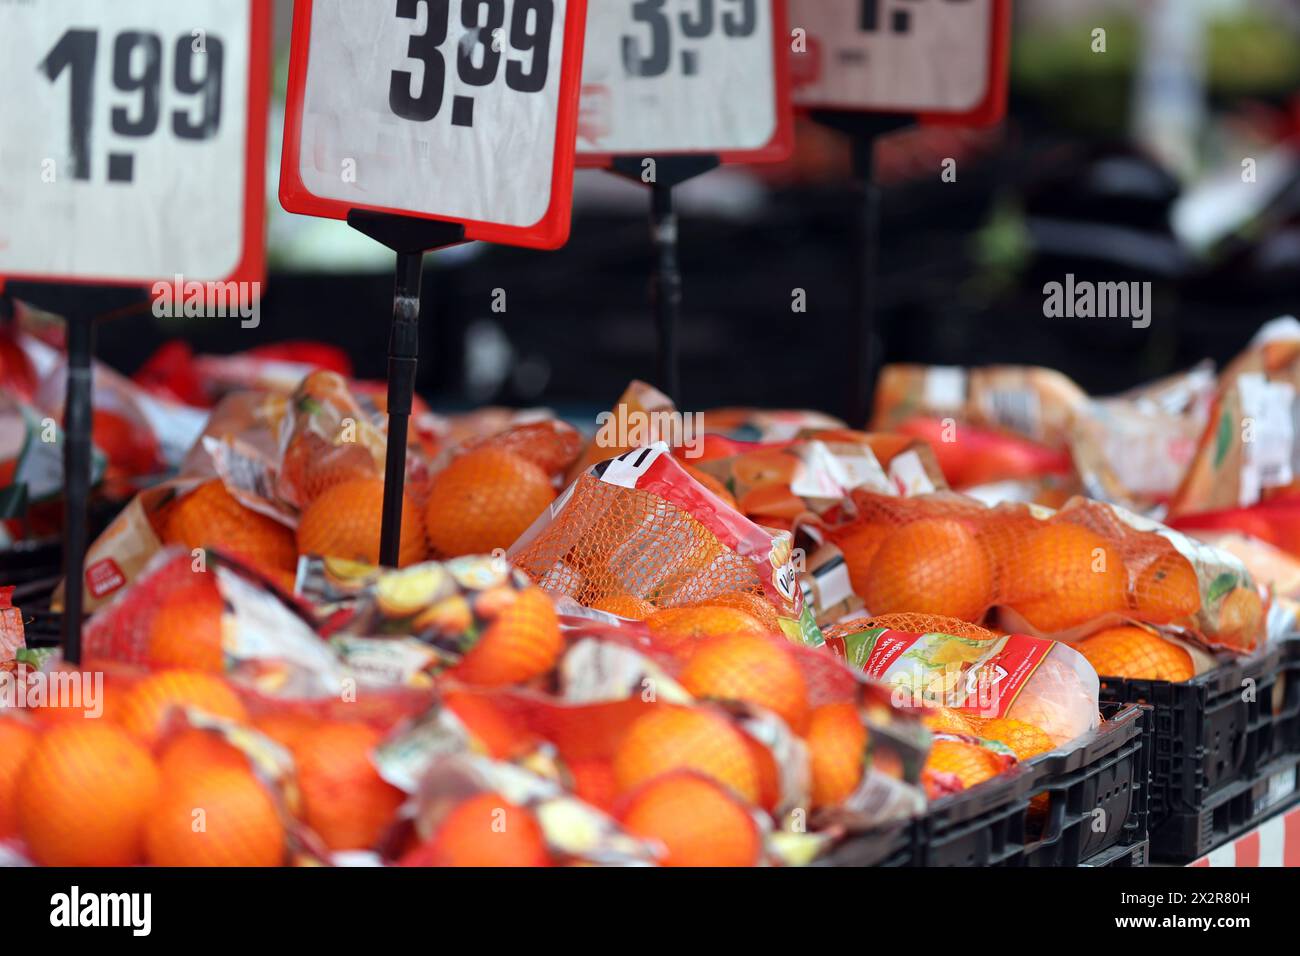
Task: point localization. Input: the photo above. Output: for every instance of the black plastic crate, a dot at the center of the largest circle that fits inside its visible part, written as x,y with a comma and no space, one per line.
1231,812
1286,701
1042,812
1096,792
1211,739
1122,857
890,846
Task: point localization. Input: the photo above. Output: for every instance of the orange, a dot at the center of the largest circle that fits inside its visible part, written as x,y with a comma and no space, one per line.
712,483
771,502
1138,654
944,720
312,465
765,467
625,605
187,627
95,701
218,816
285,729
969,763
493,731
758,670
837,747
211,517
1025,740
16,740
148,706
769,774
1068,576
930,566
752,604
84,796
345,522
679,738
486,830
344,799
1167,590
1241,617
705,620
484,499
696,822
522,642
593,782
194,750
859,546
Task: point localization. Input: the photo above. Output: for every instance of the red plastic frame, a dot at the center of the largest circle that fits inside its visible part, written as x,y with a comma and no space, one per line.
778,149
251,267
990,110
549,232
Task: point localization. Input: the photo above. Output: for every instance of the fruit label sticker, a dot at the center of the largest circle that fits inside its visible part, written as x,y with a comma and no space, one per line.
134,139
457,110
686,76
943,59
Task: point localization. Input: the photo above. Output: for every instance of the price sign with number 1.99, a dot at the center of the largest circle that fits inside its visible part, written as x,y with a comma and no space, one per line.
673,77
134,139
455,110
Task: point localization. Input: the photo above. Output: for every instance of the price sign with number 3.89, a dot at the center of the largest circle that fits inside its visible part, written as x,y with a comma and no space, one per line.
135,137
456,110
672,77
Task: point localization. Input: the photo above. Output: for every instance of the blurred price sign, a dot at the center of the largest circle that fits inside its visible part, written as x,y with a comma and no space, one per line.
665,77
463,111
944,60
134,139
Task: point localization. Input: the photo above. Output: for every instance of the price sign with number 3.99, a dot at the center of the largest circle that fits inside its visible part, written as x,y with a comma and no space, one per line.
455,110
135,138
673,77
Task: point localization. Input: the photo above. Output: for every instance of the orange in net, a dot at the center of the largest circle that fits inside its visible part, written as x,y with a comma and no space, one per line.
703,621
945,720
194,750
695,821
679,738
312,465
837,746
521,643
1137,654
16,742
240,825
484,499
625,605
752,604
757,670
211,517
485,830
149,704
285,729
344,799
1068,576
1025,740
345,522
969,763
593,781
859,545
84,795
931,566
493,731
1167,590
186,628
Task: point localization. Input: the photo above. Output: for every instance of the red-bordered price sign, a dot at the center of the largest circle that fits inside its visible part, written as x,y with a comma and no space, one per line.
943,60
463,111
671,77
134,140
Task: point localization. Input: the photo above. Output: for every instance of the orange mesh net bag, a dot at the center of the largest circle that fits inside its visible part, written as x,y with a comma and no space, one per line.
641,527
1065,574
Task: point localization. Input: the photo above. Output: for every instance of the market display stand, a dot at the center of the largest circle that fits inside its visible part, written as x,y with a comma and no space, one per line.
864,70
169,186
669,97
468,135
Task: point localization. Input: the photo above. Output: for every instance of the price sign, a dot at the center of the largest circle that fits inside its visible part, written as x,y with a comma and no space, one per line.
945,60
134,139
664,77
457,110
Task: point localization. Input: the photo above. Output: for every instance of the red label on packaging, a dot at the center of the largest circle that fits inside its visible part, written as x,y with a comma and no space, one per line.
104,577
889,647
993,684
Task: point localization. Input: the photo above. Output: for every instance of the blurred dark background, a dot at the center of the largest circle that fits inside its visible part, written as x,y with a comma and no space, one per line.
1115,166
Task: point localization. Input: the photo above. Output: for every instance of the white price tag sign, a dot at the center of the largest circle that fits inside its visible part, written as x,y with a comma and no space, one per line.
943,59
457,110
686,76
133,139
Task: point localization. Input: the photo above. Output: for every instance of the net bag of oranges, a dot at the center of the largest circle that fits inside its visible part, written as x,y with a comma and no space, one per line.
976,674
1063,574
639,527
